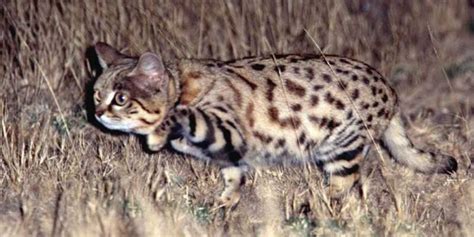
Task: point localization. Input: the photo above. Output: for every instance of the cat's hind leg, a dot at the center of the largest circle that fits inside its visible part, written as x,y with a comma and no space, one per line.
233,180
342,171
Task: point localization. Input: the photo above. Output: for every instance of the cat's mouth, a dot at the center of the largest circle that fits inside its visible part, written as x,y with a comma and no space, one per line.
144,127
115,124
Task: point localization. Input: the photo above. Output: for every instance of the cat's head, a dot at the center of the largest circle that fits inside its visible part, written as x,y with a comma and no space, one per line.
132,94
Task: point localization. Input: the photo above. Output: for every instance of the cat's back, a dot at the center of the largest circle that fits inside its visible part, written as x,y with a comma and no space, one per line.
304,83
287,103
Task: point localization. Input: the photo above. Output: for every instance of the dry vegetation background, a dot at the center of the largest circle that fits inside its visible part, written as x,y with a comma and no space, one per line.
61,175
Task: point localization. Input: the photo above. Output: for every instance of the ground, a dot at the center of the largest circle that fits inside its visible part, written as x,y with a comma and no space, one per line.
62,175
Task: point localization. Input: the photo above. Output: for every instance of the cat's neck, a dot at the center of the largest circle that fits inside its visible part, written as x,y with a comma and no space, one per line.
174,84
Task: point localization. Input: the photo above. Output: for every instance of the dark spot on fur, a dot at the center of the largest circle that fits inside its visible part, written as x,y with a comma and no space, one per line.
317,87
314,100
349,115
296,70
274,117
314,119
374,90
332,124
329,98
375,104
340,105
354,77
257,67
309,73
237,94
384,98
280,68
369,70
262,137
296,107
294,122
280,143
323,122
295,88
343,60
381,112
369,118
273,113
327,78
342,85
302,138
365,80
173,119
183,112
341,71
355,94
249,114
270,88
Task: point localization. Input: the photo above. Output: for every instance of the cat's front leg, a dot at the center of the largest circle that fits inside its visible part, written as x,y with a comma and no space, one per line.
183,145
233,176
173,124
158,138
156,141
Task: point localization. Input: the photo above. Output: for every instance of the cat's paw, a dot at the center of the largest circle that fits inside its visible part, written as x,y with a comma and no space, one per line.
229,199
155,142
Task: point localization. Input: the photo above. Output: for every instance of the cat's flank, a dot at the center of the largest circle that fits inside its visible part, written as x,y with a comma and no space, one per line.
327,110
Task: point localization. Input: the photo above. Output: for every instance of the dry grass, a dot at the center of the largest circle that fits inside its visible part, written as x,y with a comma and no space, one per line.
60,175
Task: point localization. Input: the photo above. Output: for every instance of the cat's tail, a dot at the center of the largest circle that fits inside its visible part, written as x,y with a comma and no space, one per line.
401,148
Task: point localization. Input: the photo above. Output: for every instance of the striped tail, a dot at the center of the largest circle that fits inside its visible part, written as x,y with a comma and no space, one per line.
402,150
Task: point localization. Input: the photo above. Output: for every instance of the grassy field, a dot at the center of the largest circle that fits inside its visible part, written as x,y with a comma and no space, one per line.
60,175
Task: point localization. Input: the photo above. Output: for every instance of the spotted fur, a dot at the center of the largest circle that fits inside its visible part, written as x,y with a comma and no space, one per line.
284,108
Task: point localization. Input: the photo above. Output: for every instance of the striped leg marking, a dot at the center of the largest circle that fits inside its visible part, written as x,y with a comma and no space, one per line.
344,170
184,146
216,135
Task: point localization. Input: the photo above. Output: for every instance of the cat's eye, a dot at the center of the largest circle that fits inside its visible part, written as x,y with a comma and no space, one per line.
121,99
97,97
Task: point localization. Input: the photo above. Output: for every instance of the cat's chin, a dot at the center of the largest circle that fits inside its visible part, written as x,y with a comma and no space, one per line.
118,127
142,131
112,125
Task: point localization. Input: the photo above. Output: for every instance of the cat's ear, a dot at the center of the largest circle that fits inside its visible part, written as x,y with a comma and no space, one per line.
150,73
150,65
107,54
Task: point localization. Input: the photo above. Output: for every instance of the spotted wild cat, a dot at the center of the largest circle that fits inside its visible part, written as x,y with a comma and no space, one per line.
291,108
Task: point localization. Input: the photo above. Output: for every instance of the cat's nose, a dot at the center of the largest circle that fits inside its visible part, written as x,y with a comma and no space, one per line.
99,112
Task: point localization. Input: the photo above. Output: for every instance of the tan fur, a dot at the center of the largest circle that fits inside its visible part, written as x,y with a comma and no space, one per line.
190,87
